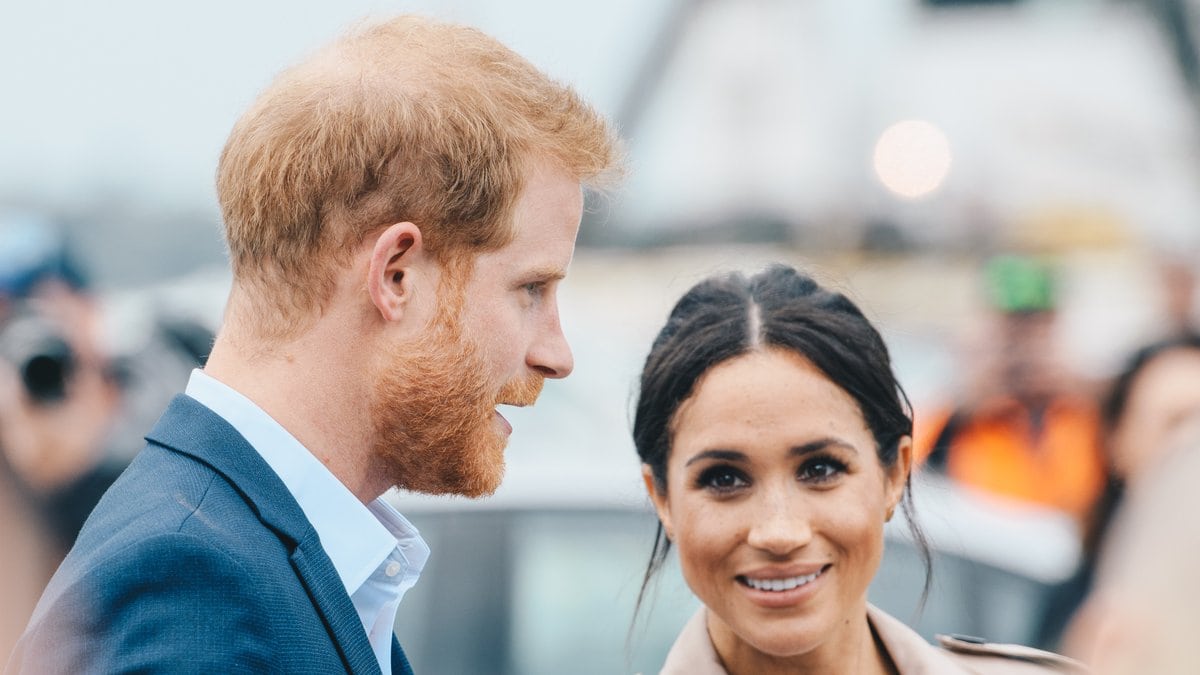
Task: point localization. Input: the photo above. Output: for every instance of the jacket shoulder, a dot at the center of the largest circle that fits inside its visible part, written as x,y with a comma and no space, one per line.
986,658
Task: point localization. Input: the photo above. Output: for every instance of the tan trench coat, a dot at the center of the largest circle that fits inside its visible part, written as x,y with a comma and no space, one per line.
693,653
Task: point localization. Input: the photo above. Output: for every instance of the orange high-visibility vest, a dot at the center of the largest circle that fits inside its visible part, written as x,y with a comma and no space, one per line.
1058,465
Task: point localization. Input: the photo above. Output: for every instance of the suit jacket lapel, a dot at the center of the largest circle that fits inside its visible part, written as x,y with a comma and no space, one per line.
329,595
192,429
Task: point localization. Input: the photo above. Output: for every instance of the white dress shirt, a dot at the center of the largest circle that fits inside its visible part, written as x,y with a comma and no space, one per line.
377,553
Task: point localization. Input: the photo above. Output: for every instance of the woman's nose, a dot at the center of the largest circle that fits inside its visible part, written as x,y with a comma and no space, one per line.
780,526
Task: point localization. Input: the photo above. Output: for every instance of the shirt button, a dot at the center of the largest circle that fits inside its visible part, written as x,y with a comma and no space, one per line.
392,569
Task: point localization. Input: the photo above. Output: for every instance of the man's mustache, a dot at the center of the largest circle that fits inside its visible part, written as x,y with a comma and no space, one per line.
521,392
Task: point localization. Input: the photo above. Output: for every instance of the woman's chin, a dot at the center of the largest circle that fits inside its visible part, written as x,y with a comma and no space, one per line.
781,645
779,637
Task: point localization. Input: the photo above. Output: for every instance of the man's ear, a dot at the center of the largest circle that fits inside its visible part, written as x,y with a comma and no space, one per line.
896,477
659,500
389,278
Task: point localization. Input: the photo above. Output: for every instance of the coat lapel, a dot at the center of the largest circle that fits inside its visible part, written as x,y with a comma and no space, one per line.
192,429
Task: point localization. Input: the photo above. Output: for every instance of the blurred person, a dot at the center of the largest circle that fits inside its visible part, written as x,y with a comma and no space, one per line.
58,401
1140,616
399,209
69,405
1177,279
1024,430
1154,396
776,442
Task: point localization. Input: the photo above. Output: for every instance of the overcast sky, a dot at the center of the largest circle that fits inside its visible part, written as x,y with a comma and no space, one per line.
112,114
138,95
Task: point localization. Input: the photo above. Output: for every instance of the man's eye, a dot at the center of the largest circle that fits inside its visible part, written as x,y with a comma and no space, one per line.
722,479
535,288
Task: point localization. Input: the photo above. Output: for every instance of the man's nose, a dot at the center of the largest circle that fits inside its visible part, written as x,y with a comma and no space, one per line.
550,354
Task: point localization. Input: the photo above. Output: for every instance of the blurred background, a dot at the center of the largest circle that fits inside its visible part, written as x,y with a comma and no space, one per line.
1007,187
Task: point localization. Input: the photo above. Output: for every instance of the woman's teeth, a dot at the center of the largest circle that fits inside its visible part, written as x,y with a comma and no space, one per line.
777,585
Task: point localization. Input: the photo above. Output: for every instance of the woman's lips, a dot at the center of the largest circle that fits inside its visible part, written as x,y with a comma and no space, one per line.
776,589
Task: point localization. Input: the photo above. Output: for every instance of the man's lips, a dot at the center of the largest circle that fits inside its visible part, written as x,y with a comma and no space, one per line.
504,423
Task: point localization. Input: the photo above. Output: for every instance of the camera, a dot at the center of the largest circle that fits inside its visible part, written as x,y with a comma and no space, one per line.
43,358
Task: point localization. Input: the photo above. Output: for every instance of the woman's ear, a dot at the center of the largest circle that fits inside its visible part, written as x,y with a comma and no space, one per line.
659,500
389,278
897,476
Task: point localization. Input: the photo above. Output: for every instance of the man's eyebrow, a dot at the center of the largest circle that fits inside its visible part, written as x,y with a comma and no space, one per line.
547,273
726,455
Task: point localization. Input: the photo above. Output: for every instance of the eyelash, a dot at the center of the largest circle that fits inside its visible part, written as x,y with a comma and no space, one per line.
836,467
734,479
710,477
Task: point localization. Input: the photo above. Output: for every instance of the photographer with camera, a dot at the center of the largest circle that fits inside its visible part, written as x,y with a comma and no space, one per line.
65,402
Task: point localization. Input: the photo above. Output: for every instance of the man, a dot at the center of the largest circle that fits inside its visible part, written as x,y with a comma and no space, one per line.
399,210
1025,432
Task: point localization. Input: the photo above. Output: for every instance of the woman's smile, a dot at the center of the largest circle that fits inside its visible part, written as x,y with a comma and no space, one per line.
773,589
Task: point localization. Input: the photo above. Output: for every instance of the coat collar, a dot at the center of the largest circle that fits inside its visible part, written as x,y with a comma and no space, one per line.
693,652
908,650
191,429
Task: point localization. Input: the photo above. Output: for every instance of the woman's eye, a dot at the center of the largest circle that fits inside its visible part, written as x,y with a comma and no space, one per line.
821,470
722,479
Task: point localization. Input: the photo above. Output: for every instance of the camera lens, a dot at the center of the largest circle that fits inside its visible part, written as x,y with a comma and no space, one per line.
45,374
35,347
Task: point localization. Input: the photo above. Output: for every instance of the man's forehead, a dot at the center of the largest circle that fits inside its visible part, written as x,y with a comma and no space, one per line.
516,260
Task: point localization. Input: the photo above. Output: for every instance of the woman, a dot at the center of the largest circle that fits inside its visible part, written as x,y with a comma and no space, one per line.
1153,397
775,445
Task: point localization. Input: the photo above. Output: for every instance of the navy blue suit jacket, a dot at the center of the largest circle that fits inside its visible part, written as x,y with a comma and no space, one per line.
197,560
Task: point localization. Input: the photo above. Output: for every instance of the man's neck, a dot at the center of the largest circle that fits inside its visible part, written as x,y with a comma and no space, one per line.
308,387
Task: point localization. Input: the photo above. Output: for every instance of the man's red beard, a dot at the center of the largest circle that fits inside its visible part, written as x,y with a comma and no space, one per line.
434,413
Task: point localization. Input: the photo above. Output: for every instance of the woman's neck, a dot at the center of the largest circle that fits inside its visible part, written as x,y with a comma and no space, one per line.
853,649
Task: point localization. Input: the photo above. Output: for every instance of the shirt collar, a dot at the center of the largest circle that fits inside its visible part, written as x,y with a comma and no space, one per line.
356,538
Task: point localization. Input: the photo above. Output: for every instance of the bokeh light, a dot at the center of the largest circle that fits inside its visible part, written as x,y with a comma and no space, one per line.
912,158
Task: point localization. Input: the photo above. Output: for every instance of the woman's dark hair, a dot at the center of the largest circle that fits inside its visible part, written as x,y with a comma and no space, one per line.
727,316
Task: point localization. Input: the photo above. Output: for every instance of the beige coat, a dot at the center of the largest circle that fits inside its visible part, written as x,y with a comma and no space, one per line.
693,653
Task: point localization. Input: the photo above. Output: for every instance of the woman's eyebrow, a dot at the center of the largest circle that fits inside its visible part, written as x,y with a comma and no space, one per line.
726,455
821,444
799,450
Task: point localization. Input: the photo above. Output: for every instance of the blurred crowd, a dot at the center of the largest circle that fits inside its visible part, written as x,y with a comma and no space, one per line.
1028,430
